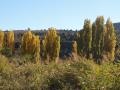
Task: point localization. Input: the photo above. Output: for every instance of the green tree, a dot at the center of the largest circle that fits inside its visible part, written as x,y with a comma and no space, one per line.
99,37
80,42
110,38
94,39
87,37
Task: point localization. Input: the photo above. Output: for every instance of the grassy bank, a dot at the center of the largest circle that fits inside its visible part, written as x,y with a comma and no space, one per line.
80,75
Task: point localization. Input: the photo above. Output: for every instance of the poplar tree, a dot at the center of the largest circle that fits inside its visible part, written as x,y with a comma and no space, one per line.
26,42
110,38
57,46
44,51
80,41
94,39
10,40
52,44
99,36
1,39
97,39
36,48
31,45
87,37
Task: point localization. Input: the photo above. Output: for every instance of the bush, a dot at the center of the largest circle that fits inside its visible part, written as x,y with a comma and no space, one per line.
81,75
7,52
21,59
6,79
4,64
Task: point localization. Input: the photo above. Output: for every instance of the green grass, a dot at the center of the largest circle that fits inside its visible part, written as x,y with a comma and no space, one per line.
80,75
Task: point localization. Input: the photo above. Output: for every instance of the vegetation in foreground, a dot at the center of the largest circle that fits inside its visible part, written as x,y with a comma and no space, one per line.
79,75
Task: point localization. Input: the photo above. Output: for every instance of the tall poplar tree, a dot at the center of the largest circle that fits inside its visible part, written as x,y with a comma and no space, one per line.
1,39
87,37
10,40
110,38
99,36
51,44
80,41
94,40
31,45
26,42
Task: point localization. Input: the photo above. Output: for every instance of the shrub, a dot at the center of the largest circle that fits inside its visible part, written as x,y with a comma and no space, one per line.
81,75
4,64
6,51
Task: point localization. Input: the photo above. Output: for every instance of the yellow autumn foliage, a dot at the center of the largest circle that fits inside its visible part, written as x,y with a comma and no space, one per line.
31,45
1,39
52,44
10,40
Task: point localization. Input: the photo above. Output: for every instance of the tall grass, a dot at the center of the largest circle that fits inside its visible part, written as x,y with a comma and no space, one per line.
79,75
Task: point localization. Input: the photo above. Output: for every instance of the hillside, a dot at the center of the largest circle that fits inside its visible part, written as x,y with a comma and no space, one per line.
117,26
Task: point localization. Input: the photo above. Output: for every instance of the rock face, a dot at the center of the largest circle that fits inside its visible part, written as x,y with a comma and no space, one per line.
117,26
